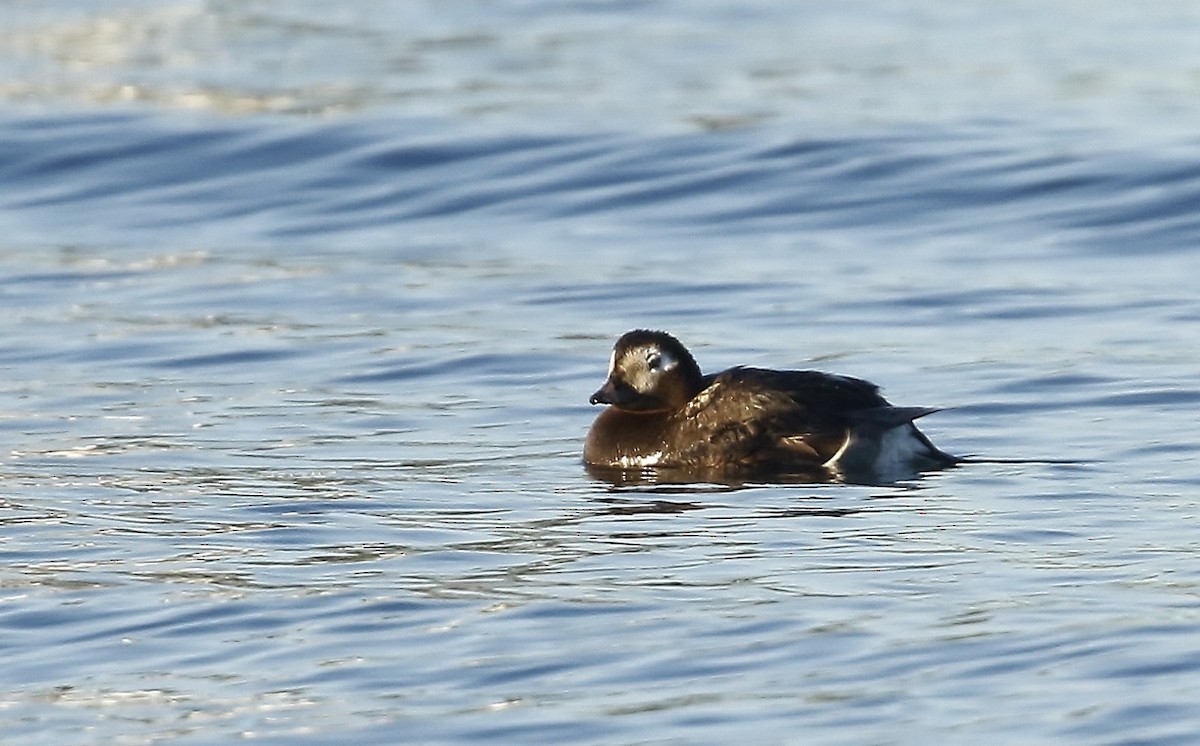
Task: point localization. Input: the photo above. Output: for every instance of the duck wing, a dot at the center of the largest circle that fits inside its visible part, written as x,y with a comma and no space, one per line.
753,416
810,389
803,418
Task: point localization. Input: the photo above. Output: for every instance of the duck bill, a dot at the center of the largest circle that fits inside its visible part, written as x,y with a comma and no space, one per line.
609,393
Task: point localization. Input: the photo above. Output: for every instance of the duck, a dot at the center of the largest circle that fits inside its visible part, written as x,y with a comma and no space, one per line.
663,413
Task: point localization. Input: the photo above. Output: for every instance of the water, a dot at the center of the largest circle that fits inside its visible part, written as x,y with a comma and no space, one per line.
295,386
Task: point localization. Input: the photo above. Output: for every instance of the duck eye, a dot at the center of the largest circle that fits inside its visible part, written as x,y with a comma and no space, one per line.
654,360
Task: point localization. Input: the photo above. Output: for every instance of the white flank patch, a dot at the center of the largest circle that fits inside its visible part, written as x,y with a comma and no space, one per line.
899,452
899,449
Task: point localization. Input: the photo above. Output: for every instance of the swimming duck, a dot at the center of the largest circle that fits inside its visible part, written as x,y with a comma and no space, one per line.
665,413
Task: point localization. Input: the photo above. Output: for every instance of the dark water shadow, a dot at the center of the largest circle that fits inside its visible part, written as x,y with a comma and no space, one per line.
666,491
709,479
969,460
616,506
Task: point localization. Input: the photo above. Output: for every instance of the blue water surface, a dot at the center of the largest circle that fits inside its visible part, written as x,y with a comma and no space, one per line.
293,404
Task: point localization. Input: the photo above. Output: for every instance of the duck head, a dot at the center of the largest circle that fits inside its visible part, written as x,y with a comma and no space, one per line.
649,372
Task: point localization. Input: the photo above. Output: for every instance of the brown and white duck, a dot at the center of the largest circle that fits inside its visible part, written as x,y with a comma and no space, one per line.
664,413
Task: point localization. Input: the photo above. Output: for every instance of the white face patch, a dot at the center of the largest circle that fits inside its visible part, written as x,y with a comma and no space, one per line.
660,360
612,362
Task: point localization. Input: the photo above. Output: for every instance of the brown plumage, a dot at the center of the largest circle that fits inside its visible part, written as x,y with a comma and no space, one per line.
665,413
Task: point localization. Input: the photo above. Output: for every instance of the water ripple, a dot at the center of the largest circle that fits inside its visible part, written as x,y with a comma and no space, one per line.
303,182
293,413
